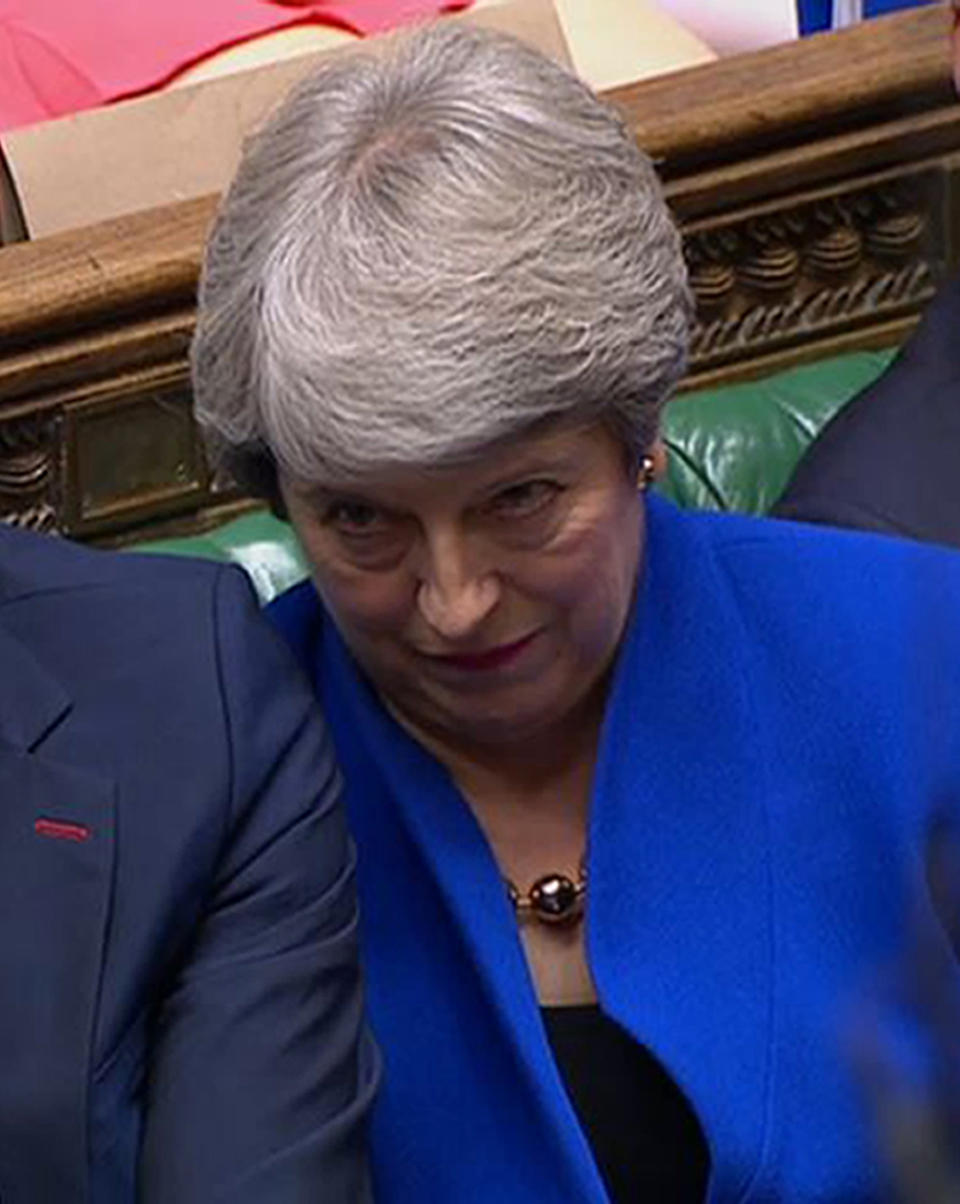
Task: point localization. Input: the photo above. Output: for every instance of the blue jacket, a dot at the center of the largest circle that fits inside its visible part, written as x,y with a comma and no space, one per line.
179,995
782,730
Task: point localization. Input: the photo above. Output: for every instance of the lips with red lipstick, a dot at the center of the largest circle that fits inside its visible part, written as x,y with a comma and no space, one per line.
486,659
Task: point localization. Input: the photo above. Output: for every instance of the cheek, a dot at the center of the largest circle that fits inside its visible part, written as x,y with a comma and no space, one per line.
595,575
369,604
361,602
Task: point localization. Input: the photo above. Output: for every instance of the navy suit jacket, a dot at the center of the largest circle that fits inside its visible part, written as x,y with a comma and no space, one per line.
180,1012
890,459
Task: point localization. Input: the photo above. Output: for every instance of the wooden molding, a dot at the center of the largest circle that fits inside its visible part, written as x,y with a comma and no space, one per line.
793,95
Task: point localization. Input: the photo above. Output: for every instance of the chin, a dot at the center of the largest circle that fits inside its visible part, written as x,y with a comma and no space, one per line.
489,719
498,731
495,725
511,719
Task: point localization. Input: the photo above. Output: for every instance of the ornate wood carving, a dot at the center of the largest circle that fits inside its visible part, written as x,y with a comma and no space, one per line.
837,260
814,184
29,472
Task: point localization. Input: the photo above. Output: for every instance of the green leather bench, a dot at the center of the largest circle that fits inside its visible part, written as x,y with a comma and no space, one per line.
731,448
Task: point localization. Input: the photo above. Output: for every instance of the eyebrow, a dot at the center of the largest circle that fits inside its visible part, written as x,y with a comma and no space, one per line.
540,464
544,464
338,493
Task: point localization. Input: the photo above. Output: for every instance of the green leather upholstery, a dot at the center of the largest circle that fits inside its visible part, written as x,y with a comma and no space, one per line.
731,448
735,448
259,543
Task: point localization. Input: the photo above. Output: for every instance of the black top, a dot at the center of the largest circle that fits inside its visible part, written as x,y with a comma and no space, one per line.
645,1138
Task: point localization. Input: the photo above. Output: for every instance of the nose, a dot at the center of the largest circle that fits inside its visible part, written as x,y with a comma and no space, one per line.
455,595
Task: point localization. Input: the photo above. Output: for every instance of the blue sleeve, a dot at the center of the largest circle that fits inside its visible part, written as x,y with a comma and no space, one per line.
262,1073
815,15
877,8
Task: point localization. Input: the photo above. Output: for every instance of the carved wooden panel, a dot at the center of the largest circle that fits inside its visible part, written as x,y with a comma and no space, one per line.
130,457
817,264
30,472
116,460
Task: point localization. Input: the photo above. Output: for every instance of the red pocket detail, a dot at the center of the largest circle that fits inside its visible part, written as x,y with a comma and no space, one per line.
60,830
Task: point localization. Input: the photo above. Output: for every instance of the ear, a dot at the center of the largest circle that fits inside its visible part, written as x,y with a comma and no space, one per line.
653,465
658,454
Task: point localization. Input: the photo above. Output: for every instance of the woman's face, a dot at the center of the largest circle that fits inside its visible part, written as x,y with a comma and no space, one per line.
484,602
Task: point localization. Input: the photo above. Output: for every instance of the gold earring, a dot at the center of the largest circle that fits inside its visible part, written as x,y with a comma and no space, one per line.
647,473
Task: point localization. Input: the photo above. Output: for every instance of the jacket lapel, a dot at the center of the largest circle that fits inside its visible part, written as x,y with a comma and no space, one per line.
460,962
680,922
56,853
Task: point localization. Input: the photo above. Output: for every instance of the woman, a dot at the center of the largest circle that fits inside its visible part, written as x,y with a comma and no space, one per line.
639,796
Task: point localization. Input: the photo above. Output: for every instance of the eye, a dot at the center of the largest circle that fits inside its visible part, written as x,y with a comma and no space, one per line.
364,534
354,518
525,498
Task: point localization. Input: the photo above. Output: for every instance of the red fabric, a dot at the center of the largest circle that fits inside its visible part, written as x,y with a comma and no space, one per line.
58,56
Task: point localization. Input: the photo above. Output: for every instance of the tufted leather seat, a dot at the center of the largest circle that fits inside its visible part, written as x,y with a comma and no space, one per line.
731,448
735,447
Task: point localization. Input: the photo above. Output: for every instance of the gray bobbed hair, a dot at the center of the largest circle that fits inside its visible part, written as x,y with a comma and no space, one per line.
429,249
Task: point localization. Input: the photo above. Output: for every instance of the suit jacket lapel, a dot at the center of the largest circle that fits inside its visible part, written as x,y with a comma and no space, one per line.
56,855
31,700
